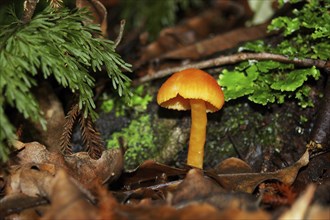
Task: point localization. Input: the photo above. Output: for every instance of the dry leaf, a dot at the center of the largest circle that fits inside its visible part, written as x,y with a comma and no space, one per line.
219,43
220,17
148,173
79,165
194,187
247,182
197,188
67,200
29,179
17,202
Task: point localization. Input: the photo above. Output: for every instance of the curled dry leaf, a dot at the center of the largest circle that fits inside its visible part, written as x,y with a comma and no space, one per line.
87,170
148,173
16,202
30,179
65,193
149,180
79,165
27,187
220,17
247,182
232,165
197,188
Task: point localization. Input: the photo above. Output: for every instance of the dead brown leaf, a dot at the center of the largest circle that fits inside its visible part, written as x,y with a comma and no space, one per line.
247,182
218,43
148,173
220,17
162,211
29,179
79,165
232,165
197,188
17,202
67,200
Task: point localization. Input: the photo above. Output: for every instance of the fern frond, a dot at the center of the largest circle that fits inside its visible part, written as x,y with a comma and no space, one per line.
70,118
55,43
92,140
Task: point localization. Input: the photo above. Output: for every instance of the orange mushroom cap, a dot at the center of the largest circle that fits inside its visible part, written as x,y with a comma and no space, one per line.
190,84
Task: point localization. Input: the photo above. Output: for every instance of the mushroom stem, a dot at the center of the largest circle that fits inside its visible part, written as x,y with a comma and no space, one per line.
197,133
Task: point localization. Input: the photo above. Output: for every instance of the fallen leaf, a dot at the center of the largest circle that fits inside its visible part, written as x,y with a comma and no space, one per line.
218,43
232,165
220,17
247,182
147,174
197,188
67,200
79,165
29,179
17,202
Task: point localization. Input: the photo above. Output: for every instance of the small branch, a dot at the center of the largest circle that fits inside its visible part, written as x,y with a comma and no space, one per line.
29,7
121,31
236,58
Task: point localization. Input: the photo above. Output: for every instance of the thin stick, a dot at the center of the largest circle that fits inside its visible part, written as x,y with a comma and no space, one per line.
121,31
235,58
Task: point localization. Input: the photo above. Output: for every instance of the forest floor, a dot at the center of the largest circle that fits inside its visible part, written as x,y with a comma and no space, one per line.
265,171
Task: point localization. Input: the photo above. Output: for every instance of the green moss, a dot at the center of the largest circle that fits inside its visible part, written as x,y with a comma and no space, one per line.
138,102
138,138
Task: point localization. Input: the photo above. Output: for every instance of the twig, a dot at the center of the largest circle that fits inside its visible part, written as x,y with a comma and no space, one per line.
29,7
235,58
121,31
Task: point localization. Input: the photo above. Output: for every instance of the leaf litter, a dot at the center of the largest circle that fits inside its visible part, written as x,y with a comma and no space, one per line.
47,185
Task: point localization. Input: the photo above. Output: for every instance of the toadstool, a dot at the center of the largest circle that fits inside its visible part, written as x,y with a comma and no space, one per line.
198,91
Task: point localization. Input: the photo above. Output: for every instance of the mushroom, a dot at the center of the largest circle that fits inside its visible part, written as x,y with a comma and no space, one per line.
196,90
